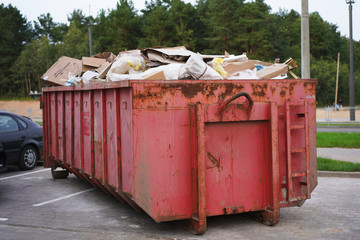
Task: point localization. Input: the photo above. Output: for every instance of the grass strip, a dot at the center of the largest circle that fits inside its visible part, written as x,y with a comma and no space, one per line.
340,140
325,164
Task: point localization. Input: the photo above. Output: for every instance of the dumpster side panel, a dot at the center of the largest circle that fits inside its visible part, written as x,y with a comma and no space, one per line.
88,132
69,137
238,157
61,125
99,141
53,120
78,134
127,154
162,160
112,138
312,143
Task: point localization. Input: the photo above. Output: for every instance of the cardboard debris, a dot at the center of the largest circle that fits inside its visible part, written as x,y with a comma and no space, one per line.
91,63
163,63
257,62
273,71
103,67
155,76
233,67
109,56
166,55
58,73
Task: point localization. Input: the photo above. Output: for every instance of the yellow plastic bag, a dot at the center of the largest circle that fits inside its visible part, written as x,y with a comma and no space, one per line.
128,65
217,65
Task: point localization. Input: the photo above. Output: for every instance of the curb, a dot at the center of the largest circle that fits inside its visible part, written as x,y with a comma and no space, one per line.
338,174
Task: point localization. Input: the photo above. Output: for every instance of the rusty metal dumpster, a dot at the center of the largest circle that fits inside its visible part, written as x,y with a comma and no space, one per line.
185,150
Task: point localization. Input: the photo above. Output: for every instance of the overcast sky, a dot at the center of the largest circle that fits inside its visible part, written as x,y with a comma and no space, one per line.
333,11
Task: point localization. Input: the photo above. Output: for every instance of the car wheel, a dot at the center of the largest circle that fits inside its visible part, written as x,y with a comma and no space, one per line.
28,158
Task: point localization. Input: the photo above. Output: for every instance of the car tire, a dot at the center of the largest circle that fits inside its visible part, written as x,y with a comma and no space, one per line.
28,158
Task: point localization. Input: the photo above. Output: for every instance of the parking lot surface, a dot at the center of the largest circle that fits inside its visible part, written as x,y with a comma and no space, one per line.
34,206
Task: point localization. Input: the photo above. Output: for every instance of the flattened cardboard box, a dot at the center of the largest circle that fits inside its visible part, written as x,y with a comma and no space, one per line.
58,73
273,71
233,67
91,63
155,76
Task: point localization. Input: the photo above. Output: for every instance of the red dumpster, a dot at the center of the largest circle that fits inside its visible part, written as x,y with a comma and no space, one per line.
185,150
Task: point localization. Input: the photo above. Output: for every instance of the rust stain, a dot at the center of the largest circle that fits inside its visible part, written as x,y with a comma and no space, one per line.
190,90
233,209
283,91
273,89
258,90
230,89
291,88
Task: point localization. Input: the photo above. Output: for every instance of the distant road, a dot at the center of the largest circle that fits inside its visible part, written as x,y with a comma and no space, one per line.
338,129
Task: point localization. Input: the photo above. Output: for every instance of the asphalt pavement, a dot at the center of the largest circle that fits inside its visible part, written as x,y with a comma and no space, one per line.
341,154
34,206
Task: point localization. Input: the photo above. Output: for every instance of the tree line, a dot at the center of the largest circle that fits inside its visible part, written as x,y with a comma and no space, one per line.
28,49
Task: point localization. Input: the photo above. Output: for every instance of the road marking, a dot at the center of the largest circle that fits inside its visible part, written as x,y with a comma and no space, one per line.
62,198
4,219
24,174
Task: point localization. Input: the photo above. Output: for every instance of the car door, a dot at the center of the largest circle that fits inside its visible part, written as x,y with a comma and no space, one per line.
12,137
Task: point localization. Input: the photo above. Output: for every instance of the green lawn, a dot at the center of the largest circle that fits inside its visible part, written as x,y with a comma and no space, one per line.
341,140
325,164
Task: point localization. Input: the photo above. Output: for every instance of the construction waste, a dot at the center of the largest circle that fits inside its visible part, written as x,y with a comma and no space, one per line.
176,63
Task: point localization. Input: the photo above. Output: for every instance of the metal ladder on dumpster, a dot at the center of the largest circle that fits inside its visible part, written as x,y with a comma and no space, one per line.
290,127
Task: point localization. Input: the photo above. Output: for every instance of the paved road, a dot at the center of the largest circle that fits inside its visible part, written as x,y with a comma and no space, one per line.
339,129
31,208
341,154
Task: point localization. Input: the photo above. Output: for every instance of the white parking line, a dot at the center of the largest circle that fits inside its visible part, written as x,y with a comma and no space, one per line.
4,219
61,198
24,174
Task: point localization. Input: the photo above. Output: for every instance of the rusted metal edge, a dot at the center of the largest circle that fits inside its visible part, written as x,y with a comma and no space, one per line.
128,83
105,85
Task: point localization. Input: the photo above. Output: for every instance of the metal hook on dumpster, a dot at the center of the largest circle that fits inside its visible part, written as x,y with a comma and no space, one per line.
232,98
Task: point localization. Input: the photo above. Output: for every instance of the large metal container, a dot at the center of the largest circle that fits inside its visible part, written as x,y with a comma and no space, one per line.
185,150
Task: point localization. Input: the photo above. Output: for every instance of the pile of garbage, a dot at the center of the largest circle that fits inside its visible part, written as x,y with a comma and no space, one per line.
176,63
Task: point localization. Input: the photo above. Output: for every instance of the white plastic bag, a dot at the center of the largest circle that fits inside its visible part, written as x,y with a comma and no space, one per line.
128,64
89,75
245,74
198,69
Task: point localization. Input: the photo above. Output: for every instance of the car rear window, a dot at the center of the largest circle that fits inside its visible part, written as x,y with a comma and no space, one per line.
22,123
8,124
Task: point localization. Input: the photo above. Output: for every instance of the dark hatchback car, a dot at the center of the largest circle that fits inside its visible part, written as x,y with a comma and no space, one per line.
21,141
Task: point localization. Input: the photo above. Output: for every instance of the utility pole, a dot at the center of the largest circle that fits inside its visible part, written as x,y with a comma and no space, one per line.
90,34
305,40
337,79
351,73
90,39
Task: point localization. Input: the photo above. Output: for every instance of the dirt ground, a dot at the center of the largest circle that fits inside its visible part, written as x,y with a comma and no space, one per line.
341,115
32,110
27,108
